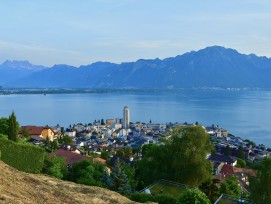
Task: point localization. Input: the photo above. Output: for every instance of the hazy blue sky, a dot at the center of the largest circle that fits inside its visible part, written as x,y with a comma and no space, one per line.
79,32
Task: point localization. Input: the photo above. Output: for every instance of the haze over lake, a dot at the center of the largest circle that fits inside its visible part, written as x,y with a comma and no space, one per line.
242,113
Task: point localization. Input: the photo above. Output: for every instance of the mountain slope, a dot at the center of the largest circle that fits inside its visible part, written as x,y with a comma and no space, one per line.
14,70
18,187
210,67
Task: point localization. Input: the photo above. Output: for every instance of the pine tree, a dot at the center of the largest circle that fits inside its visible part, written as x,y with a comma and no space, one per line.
12,127
119,180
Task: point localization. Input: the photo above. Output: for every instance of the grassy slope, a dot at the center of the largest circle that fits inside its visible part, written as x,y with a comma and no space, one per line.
19,187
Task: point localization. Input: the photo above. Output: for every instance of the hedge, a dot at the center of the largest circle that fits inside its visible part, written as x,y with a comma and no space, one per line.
24,157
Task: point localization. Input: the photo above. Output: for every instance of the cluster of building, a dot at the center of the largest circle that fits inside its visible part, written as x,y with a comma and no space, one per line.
222,140
110,135
115,134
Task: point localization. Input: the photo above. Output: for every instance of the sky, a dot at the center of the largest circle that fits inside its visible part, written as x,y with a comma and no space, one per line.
48,32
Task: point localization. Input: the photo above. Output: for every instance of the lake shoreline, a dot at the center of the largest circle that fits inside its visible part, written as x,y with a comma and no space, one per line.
10,91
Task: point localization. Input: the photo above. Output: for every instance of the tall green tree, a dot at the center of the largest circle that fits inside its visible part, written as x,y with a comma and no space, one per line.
119,179
130,171
240,152
183,159
230,186
13,128
260,186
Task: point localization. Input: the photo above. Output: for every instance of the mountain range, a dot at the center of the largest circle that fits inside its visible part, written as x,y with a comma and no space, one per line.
211,67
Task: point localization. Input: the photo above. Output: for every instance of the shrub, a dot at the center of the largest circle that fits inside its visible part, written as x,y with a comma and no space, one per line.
194,195
55,166
22,156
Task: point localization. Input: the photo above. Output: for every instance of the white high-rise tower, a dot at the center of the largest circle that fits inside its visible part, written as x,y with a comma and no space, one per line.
126,117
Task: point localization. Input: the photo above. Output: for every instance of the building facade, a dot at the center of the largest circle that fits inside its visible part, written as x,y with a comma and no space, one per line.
126,117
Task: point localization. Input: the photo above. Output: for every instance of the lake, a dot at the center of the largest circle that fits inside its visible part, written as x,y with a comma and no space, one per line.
243,113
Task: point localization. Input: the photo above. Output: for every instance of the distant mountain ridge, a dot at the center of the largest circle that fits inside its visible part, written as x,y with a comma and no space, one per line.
211,67
15,70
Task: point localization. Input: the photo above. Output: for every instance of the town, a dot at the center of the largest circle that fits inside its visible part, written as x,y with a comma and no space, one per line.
114,134
107,142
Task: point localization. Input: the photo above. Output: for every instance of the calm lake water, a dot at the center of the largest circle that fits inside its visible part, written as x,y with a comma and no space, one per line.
244,113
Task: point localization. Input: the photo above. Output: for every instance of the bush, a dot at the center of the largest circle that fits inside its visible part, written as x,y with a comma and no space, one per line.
194,195
24,157
55,166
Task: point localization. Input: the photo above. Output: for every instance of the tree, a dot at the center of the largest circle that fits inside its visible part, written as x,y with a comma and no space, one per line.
183,159
67,140
146,148
53,145
194,195
4,126
241,163
55,166
126,152
130,171
230,186
260,186
26,134
13,128
86,172
240,152
105,155
119,179
210,188
227,151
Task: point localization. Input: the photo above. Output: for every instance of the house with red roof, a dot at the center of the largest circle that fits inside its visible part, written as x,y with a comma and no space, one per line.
38,132
72,157
241,174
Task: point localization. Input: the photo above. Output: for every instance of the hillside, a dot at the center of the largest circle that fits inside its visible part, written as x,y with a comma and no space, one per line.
19,187
15,70
211,67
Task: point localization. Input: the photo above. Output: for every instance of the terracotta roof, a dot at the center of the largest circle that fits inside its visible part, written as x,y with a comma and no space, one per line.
72,157
250,172
228,169
33,130
99,160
